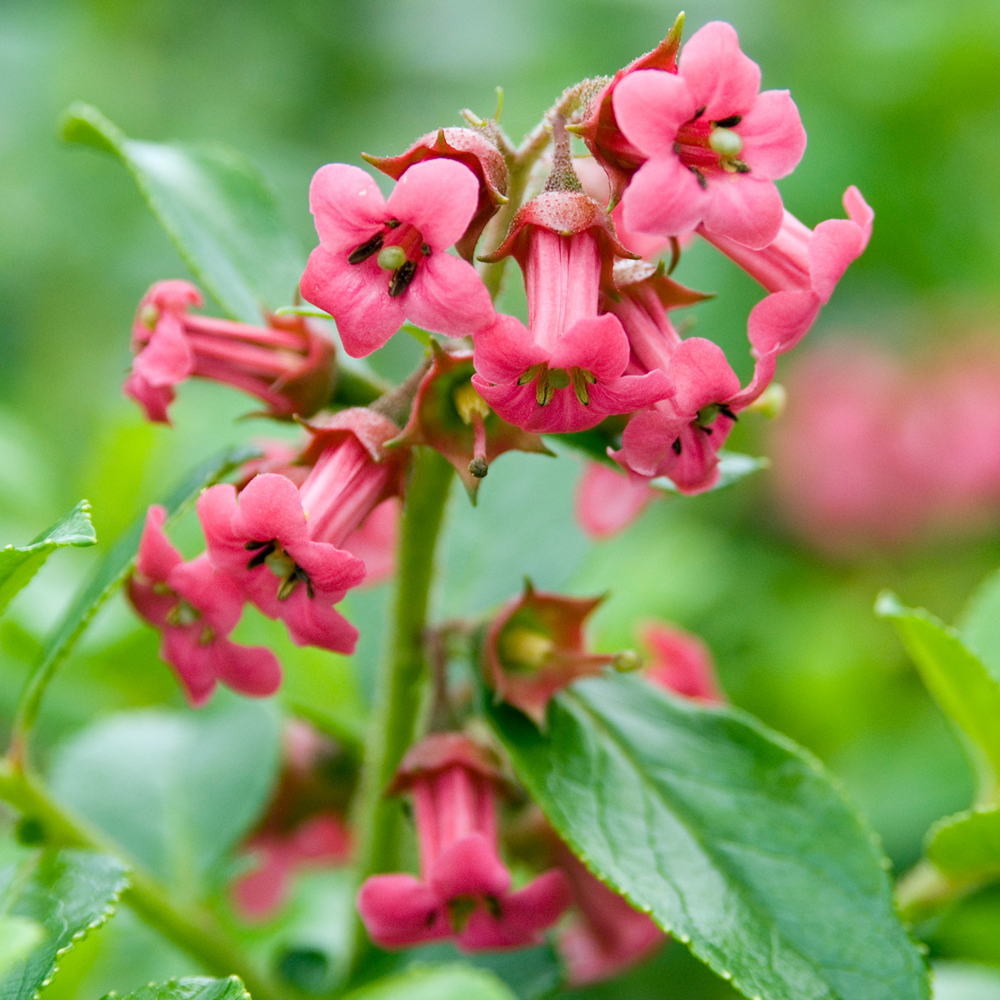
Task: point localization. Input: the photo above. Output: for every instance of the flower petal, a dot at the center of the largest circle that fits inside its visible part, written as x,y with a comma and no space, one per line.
447,296
156,556
700,375
356,296
270,508
650,107
744,209
313,622
504,351
439,197
773,137
193,662
167,358
597,344
154,400
721,78
664,198
347,206
780,321
399,911
214,594
607,502
250,670
835,244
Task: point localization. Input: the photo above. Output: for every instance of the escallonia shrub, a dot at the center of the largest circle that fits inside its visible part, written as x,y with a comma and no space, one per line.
577,804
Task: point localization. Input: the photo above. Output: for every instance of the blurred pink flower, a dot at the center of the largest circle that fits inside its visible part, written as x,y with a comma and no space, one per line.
681,662
607,501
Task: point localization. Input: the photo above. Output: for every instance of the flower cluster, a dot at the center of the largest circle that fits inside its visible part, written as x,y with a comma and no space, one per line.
683,145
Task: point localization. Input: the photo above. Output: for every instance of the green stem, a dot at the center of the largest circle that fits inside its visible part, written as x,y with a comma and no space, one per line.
192,929
394,721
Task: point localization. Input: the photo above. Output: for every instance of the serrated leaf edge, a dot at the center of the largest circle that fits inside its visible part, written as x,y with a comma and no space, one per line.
817,766
99,921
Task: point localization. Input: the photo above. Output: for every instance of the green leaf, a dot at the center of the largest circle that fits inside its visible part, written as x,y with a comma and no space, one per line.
214,207
175,790
955,677
18,564
729,835
194,988
449,982
69,893
980,624
112,572
967,845
18,936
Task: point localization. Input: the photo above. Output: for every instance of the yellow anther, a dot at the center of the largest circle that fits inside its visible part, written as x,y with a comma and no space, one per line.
469,403
525,648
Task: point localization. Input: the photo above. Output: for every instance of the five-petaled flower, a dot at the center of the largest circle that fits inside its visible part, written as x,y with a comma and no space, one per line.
381,261
714,144
464,889
196,607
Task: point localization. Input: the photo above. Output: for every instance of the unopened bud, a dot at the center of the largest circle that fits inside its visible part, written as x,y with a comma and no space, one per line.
391,258
771,402
626,661
478,467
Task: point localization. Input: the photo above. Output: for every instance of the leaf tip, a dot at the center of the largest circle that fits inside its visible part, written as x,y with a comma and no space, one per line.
83,123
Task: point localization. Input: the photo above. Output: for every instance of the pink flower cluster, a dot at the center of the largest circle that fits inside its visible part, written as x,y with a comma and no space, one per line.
284,541
873,450
689,143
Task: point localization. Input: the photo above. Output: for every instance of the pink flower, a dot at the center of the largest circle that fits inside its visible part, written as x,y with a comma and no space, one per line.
196,608
680,438
566,372
320,841
608,502
288,365
606,935
283,546
536,646
681,662
715,145
380,262
800,269
464,889
462,145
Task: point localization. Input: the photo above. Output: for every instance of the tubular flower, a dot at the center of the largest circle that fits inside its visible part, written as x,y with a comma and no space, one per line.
606,935
196,608
380,262
464,889
599,128
714,144
608,502
282,545
681,662
535,646
288,365
681,437
374,542
800,269
451,417
566,372
462,145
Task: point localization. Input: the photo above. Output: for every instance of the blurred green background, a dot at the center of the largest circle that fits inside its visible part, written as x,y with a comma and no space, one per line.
900,98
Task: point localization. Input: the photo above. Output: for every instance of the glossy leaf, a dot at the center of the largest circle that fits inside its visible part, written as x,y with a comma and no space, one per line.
18,936
956,678
449,982
214,207
967,845
734,839
113,570
19,563
175,790
194,988
69,893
